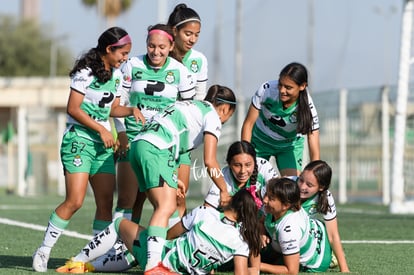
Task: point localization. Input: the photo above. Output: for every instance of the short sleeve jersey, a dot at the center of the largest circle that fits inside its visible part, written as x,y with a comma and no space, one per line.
97,101
182,125
152,90
211,240
311,207
196,63
265,171
274,122
295,233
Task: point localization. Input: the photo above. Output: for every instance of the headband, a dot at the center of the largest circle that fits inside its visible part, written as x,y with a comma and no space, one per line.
161,32
126,39
187,20
226,101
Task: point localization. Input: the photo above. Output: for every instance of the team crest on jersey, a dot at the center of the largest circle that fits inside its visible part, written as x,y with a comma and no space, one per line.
293,117
170,78
77,161
194,66
117,82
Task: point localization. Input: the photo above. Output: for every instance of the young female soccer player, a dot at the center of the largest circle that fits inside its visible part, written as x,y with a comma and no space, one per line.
314,183
87,145
152,81
155,152
202,241
186,25
244,170
280,114
302,241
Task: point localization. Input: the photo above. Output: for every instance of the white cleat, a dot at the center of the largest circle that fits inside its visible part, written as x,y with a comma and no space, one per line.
40,260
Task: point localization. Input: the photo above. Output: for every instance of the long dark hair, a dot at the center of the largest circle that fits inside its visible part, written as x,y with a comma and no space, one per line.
286,190
218,95
93,58
243,204
323,174
298,74
243,147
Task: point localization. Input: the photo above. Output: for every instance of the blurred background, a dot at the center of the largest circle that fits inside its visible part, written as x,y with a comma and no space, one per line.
351,48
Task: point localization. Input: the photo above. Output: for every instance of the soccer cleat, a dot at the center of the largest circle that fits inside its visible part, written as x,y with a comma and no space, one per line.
160,269
89,267
40,260
73,267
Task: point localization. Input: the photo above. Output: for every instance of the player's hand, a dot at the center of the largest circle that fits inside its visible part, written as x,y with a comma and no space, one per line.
224,198
121,146
138,115
107,138
181,189
265,240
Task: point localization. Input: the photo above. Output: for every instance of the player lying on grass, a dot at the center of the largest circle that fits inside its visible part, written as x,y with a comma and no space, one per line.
202,241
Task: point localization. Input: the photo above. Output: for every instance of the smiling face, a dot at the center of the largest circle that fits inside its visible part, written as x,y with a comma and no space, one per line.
158,48
289,91
308,185
274,206
187,36
115,57
242,166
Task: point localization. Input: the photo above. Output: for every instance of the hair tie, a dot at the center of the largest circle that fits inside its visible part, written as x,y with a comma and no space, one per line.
252,191
187,20
161,32
126,39
226,101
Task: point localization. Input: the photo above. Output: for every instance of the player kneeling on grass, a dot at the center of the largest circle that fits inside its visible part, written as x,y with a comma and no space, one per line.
302,241
202,241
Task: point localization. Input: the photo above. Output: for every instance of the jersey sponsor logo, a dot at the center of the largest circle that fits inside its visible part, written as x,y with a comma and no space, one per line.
79,79
277,120
287,228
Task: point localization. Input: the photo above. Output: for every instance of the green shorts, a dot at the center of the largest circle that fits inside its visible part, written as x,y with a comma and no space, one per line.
153,166
81,155
288,155
185,159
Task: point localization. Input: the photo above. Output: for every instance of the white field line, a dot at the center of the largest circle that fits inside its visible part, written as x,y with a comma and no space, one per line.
88,237
43,228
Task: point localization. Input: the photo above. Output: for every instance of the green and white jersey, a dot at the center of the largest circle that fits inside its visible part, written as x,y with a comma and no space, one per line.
275,123
296,232
182,126
196,63
97,101
151,90
311,207
265,172
211,240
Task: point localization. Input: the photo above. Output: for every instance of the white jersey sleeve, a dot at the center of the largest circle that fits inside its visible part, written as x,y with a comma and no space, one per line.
81,81
213,194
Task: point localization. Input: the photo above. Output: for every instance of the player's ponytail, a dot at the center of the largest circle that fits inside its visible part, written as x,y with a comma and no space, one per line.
244,205
218,95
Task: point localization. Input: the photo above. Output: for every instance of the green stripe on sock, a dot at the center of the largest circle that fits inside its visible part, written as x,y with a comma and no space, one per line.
100,225
157,231
175,214
58,221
